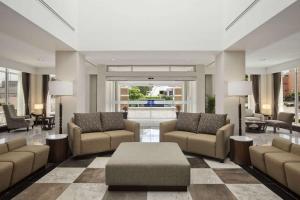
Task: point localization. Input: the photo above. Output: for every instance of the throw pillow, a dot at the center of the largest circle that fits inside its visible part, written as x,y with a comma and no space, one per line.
88,122
112,121
187,122
210,123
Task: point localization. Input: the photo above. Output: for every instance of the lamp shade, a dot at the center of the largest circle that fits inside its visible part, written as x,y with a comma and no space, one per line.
266,106
60,88
38,106
239,88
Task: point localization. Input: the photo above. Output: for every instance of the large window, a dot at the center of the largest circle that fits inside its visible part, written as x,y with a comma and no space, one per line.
289,91
11,91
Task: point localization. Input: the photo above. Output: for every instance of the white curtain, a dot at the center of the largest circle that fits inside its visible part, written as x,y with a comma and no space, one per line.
110,96
20,97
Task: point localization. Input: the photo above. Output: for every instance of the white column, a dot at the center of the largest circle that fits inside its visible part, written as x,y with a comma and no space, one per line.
230,66
101,89
200,71
70,66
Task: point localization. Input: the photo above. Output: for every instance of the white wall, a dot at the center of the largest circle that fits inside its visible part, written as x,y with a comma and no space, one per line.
37,13
256,16
149,25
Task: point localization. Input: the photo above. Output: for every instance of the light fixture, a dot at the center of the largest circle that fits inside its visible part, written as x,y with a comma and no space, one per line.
59,89
38,106
240,89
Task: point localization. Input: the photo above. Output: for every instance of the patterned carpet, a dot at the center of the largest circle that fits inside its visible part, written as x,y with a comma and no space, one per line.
85,179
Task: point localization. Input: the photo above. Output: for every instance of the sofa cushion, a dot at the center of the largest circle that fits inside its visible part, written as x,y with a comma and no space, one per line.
257,155
275,165
282,144
16,143
292,171
210,123
22,164
203,144
179,137
295,149
3,148
40,152
119,136
6,169
252,119
94,142
112,121
188,122
88,122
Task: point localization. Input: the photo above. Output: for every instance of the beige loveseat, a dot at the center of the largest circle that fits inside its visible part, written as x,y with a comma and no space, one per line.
102,140
214,145
18,160
281,161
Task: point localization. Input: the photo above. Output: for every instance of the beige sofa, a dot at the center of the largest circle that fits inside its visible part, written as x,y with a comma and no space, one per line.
212,145
281,161
18,160
95,142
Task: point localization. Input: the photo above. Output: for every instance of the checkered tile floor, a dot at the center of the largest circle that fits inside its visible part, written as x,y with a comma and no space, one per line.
85,179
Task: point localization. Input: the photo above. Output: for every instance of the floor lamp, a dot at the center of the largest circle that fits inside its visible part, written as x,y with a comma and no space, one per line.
59,89
240,89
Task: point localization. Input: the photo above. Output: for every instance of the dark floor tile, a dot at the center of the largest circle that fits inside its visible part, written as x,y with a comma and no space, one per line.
236,176
119,195
210,191
91,175
82,162
197,163
42,191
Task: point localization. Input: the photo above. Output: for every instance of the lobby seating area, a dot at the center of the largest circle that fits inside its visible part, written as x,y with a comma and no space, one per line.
18,160
279,161
150,100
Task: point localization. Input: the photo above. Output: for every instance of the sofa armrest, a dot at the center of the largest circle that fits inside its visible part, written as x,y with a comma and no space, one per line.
133,127
165,127
74,136
222,140
261,116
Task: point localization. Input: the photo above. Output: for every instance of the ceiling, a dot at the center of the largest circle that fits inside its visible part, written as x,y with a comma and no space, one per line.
17,50
24,42
285,50
150,57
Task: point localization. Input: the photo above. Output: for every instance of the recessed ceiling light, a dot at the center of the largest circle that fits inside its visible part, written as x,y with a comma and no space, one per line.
113,59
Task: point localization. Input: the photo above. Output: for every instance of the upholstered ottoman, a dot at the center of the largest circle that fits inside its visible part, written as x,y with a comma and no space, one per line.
148,166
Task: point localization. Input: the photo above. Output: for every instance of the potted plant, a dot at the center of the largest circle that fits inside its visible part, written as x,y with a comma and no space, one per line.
178,109
125,111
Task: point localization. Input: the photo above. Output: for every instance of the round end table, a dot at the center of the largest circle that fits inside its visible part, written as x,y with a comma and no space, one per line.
59,147
239,149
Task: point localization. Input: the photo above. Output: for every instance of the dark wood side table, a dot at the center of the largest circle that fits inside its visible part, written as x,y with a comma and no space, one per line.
59,147
239,149
48,122
256,126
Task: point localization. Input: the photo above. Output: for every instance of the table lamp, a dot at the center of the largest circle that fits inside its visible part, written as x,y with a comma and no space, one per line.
59,89
38,106
239,89
266,109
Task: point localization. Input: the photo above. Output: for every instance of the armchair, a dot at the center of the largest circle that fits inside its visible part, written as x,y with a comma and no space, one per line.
251,116
13,121
284,120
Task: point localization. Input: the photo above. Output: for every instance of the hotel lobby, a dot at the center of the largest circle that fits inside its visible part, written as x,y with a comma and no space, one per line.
149,99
